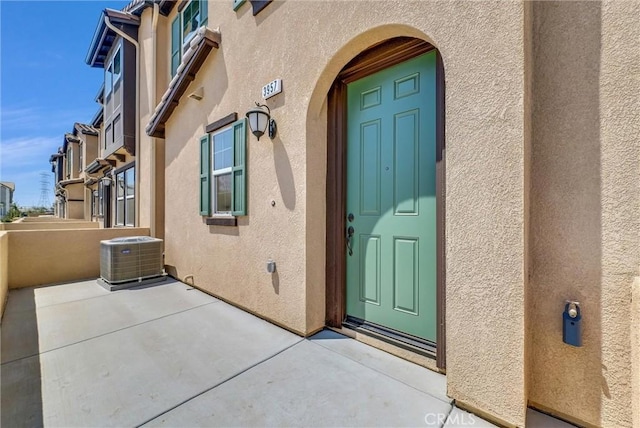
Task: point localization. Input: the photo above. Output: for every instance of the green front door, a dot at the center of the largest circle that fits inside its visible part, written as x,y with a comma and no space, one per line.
391,197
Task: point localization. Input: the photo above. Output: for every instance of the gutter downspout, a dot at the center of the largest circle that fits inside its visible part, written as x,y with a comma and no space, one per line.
152,106
134,42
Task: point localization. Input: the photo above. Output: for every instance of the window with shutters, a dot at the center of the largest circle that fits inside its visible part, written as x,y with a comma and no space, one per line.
193,16
223,171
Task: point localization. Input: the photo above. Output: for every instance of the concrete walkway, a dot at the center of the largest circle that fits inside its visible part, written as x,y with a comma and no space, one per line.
170,355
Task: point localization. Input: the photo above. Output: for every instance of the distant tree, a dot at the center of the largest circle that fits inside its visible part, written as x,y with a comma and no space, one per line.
14,212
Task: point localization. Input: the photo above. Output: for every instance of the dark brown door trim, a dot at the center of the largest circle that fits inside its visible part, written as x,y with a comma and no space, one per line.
376,58
441,338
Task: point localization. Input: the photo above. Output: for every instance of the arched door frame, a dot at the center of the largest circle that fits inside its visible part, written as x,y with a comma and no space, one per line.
374,59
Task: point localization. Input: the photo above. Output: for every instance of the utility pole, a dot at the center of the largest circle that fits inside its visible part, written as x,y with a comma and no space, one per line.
45,190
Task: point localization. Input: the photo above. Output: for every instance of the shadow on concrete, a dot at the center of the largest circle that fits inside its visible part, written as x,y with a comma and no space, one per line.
21,386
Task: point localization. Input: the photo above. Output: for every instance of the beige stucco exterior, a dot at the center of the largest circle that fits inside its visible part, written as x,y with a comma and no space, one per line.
542,173
153,81
43,257
486,248
585,200
542,194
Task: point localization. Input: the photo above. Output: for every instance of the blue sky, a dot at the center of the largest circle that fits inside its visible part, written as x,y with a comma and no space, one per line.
45,85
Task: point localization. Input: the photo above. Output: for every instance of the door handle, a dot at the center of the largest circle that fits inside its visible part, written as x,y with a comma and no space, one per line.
350,232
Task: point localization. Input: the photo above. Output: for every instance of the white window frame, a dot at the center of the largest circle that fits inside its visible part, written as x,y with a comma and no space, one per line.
100,212
110,84
129,197
184,41
219,172
69,161
80,156
122,222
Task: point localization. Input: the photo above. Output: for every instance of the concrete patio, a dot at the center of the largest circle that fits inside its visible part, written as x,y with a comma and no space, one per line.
170,355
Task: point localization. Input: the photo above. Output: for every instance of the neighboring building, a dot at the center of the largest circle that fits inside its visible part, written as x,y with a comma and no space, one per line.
465,269
73,200
114,193
57,167
6,197
99,174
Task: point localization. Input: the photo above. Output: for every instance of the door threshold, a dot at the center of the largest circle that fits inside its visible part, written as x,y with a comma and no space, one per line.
395,338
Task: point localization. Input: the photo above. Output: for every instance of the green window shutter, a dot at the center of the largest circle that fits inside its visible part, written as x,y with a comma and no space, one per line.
175,45
205,173
239,169
237,4
204,11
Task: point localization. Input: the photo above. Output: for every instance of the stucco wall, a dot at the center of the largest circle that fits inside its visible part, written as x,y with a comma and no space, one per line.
4,275
45,257
486,197
585,201
151,151
90,149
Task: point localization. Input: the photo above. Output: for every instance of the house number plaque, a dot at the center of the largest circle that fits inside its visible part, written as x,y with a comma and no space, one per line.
272,88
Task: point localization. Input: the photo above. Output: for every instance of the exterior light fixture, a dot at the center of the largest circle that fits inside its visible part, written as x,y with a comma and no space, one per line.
259,119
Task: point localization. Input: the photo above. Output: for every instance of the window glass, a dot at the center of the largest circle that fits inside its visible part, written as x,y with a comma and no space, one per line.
108,136
222,149
108,80
100,197
130,180
94,204
190,20
131,211
120,212
117,72
117,129
223,171
223,193
69,161
120,184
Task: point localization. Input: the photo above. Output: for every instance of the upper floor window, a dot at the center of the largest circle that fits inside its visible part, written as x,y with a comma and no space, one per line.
193,16
69,162
112,72
80,147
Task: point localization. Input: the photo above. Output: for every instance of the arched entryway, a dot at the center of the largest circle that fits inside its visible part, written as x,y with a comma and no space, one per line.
385,267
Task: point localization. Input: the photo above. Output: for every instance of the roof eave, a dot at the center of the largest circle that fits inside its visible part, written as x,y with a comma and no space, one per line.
102,31
177,88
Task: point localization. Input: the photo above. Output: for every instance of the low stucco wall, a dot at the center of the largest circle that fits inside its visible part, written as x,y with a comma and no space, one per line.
4,258
41,219
50,225
41,257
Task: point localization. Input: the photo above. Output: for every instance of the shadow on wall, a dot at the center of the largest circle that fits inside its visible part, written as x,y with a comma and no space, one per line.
21,388
566,230
213,96
284,173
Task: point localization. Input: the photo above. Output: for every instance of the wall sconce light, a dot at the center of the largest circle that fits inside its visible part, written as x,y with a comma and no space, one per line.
259,119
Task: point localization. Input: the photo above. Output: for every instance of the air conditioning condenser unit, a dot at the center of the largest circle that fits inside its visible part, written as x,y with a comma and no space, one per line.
130,261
